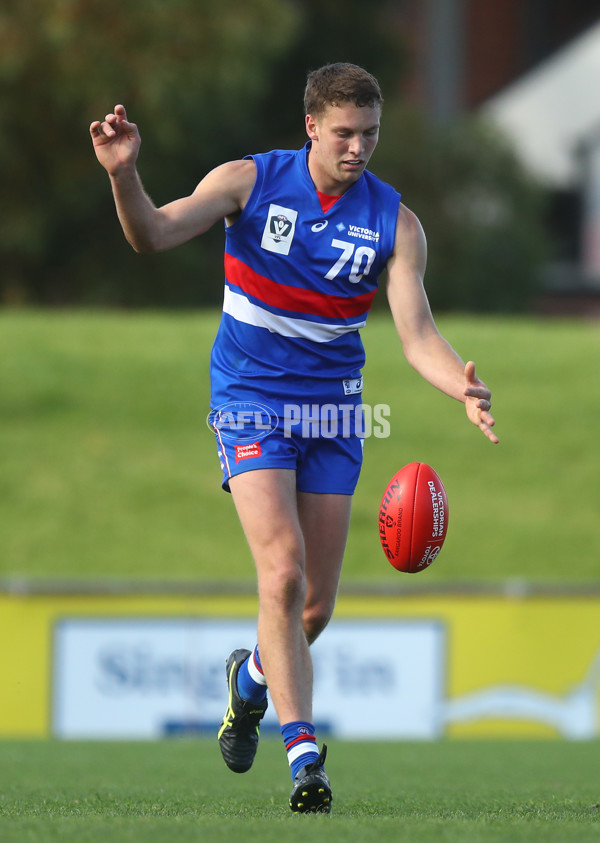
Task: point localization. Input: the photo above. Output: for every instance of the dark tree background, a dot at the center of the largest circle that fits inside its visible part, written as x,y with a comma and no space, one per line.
207,81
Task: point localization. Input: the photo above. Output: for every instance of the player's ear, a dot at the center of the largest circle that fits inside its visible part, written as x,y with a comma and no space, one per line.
311,127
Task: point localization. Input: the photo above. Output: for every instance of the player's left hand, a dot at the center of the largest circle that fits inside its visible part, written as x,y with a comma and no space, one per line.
478,402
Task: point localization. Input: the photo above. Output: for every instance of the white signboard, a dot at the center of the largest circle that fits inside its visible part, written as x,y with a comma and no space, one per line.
146,678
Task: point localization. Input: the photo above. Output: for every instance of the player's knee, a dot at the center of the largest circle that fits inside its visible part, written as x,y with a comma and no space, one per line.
284,588
315,618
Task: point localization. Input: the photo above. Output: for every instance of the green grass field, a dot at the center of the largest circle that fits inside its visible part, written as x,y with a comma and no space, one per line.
464,792
107,468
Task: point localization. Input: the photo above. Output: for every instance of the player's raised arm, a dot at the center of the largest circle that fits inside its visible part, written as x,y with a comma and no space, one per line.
424,347
222,193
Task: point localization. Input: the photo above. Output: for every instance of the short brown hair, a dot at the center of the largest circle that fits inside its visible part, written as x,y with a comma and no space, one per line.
337,83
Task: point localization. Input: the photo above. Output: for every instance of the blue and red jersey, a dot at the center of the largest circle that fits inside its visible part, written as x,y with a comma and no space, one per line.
299,281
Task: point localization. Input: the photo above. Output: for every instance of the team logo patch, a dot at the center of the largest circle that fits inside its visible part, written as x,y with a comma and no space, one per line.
352,386
245,452
279,229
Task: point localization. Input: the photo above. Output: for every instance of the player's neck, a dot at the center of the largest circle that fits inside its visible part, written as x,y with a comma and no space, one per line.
323,181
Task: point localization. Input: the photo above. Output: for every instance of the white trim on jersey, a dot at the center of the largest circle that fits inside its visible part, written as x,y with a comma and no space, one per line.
242,309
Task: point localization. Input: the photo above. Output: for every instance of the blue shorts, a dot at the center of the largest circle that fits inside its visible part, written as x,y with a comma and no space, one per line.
320,442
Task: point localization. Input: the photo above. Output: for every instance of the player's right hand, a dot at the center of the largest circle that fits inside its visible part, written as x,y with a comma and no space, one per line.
116,141
478,403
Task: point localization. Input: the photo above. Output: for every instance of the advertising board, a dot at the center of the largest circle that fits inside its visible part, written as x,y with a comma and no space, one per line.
146,678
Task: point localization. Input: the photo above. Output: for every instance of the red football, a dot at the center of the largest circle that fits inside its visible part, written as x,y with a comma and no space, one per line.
413,518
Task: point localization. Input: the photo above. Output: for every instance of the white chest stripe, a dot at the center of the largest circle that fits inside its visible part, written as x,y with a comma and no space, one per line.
244,310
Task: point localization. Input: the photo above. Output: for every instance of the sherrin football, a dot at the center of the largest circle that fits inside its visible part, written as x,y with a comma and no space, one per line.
413,518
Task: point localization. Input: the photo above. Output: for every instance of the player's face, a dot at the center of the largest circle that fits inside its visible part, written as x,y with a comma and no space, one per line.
343,140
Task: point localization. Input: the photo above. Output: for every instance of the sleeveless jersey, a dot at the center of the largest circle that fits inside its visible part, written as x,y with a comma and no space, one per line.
299,282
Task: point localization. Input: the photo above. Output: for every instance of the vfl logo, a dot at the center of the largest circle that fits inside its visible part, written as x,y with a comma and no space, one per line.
279,229
280,226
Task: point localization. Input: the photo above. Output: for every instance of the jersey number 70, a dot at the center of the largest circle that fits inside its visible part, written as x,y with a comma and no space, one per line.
363,255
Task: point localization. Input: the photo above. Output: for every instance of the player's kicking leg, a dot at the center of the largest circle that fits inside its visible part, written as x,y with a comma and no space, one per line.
325,521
